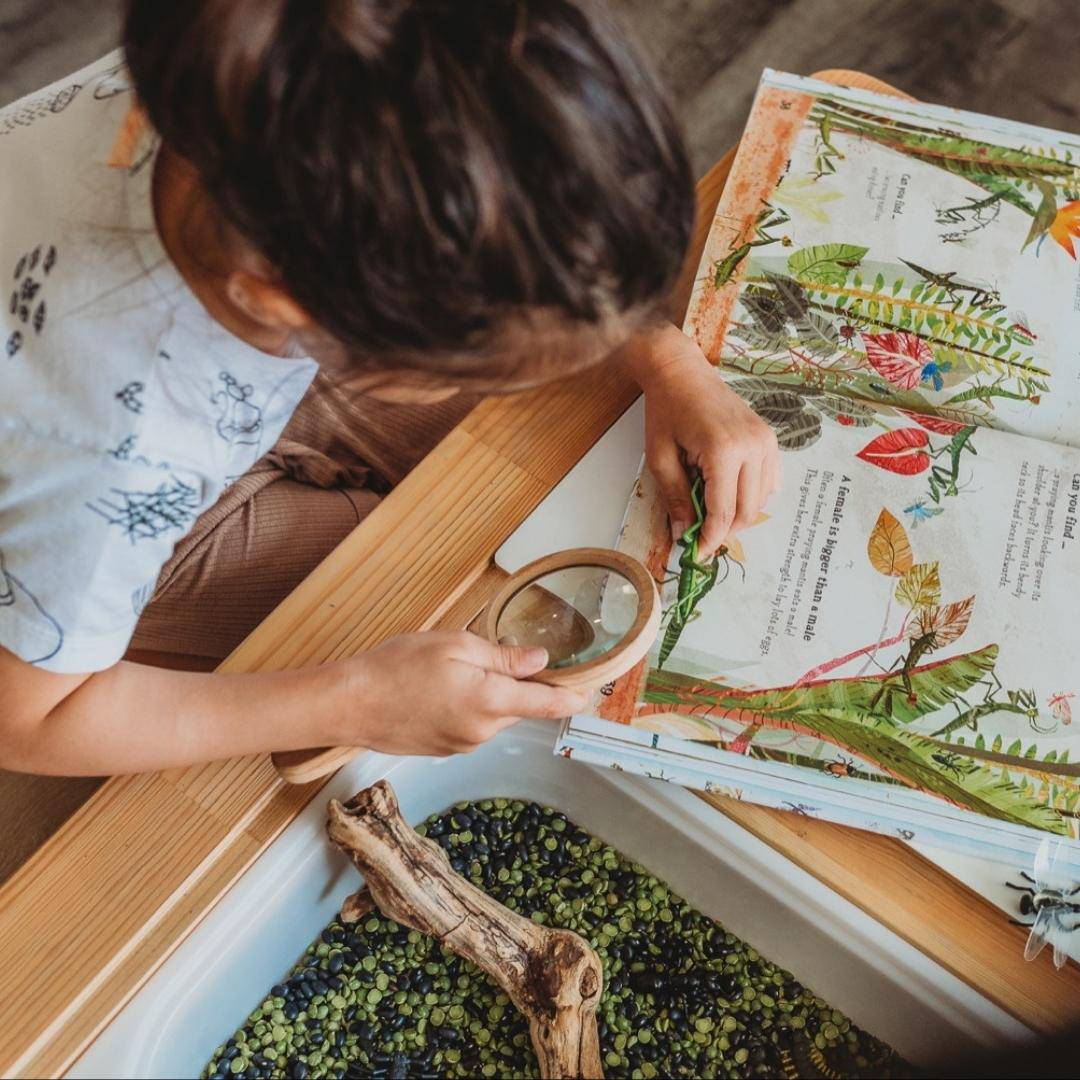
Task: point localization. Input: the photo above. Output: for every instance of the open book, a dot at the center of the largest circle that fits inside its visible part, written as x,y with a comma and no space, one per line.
894,287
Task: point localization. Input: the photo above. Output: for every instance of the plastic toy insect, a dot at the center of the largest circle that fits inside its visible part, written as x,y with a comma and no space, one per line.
1051,898
695,578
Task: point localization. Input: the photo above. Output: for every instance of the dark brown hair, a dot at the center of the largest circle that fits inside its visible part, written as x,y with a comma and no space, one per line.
422,174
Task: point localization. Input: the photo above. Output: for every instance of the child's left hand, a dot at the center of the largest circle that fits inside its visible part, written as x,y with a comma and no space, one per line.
693,420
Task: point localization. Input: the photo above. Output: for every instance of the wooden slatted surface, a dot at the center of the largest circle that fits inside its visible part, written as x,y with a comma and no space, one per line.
96,911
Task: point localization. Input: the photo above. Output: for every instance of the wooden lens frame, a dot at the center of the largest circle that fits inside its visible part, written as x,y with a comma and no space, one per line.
634,644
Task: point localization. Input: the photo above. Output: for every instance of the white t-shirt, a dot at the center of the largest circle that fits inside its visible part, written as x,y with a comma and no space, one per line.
125,409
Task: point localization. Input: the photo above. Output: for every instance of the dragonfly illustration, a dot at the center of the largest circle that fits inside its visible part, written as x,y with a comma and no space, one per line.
1021,324
1059,705
919,511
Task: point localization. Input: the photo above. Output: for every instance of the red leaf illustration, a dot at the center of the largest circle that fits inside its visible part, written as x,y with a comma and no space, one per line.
938,424
945,623
899,451
900,357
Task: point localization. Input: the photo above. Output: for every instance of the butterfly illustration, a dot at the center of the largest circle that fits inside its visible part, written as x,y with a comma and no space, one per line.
1060,707
919,511
933,371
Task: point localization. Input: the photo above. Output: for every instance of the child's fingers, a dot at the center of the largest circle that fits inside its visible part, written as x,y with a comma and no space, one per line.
515,661
670,475
774,472
749,496
721,498
766,488
511,699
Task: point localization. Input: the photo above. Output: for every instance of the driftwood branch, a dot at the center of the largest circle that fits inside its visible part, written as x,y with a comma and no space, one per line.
551,976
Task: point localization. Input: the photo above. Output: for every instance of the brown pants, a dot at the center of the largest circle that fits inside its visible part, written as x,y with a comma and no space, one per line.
336,458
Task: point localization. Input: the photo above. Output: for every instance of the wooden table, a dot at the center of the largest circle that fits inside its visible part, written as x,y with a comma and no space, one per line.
95,912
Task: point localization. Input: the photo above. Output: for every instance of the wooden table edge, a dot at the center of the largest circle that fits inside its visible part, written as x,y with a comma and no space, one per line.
243,806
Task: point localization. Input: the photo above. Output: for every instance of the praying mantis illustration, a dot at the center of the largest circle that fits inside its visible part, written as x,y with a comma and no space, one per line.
988,299
945,481
769,218
1022,702
1039,182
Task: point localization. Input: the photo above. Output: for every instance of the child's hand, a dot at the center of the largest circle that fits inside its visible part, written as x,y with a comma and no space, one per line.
445,693
693,420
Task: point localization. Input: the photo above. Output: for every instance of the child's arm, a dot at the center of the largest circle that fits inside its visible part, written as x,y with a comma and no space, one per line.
692,419
434,693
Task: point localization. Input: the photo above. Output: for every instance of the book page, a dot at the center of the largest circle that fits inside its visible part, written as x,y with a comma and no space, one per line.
863,631
877,251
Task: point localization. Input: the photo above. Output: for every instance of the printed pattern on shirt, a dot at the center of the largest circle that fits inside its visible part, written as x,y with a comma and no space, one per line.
141,596
239,421
16,596
147,515
27,302
125,451
28,112
130,396
126,408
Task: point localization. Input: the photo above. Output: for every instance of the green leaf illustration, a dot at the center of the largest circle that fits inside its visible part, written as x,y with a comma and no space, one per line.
854,413
840,711
791,294
799,430
817,334
829,263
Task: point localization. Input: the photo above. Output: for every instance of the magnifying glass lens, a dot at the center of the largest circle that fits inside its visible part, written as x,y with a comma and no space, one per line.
577,614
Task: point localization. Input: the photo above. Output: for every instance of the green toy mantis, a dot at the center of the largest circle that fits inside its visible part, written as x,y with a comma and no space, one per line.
696,578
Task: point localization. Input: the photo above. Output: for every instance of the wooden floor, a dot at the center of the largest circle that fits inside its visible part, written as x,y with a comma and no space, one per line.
1014,58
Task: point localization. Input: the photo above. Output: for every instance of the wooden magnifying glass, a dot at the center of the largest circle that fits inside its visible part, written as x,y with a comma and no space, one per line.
596,611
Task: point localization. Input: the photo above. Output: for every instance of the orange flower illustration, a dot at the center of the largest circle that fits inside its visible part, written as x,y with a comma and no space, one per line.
1066,225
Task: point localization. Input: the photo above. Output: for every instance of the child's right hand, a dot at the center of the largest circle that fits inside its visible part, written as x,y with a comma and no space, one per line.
445,693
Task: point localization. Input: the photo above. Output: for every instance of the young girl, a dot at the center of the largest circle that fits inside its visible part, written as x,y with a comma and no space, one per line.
256,268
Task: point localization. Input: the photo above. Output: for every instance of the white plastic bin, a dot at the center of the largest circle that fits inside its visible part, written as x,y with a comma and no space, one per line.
209,985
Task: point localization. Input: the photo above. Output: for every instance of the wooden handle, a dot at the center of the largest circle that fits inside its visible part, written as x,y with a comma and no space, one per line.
303,766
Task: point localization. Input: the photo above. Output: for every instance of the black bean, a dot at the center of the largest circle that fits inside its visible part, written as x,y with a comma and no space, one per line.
689,972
